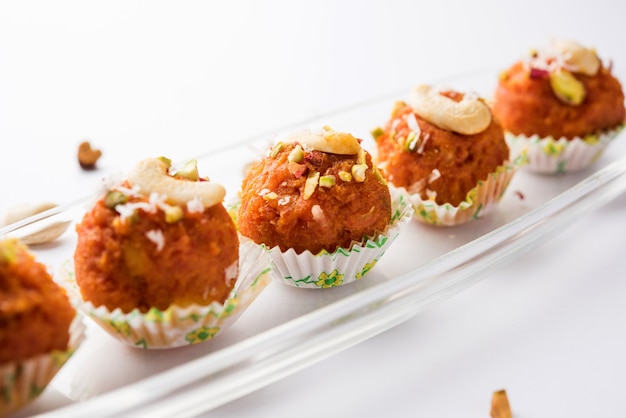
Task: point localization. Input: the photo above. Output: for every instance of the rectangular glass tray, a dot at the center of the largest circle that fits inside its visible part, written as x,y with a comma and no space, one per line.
286,328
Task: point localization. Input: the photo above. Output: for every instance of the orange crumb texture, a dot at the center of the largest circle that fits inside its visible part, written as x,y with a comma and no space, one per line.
274,210
527,105
35,312
118,266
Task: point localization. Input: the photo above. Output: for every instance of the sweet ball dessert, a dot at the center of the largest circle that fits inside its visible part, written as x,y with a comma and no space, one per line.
562,104
158,260
36,319
321,207
159,238
315,191
447,151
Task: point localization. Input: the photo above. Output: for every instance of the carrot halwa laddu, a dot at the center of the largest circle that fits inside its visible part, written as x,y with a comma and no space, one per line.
316,190
35,312
562,91
162,237
440,144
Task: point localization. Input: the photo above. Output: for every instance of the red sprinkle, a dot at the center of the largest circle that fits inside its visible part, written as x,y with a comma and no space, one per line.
519,194
538,73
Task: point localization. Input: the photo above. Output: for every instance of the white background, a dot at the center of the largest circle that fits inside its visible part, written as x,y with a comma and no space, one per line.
147,78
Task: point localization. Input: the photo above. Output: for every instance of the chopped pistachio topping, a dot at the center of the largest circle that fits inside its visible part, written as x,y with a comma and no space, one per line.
567,87
411,142
377,133
166,161
311,184
189,171
327,181
276,149
345,176
114,198
296,155
358,172
379,176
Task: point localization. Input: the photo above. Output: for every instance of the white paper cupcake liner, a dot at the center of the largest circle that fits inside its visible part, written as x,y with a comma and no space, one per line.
480,200
553,156
178,326
22,382
345,265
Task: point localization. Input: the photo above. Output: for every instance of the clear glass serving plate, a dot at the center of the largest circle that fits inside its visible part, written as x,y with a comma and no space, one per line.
286,328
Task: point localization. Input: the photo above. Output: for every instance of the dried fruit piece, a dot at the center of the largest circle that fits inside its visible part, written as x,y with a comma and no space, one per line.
150,175
358,172
189,171
411,142
377,133
114,198
296,155
345,176
500,407
311,184
87,156
578,58
327,140
327,181
468,116
567,87
276,149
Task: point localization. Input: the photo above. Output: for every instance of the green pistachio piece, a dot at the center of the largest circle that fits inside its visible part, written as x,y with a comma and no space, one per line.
166,161
327,181
114,198
345,176
379,176
276,149
567,87
377,133
311,184
410,144
189,171
296,155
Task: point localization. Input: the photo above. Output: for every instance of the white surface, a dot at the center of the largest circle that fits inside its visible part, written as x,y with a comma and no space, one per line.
171,78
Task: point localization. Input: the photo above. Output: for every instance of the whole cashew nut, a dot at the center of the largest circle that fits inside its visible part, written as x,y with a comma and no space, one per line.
468,116
150,175
582,60
327,140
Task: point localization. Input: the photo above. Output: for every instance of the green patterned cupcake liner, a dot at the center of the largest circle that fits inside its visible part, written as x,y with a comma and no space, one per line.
480,200
345,265
179,326
554,156
23,382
